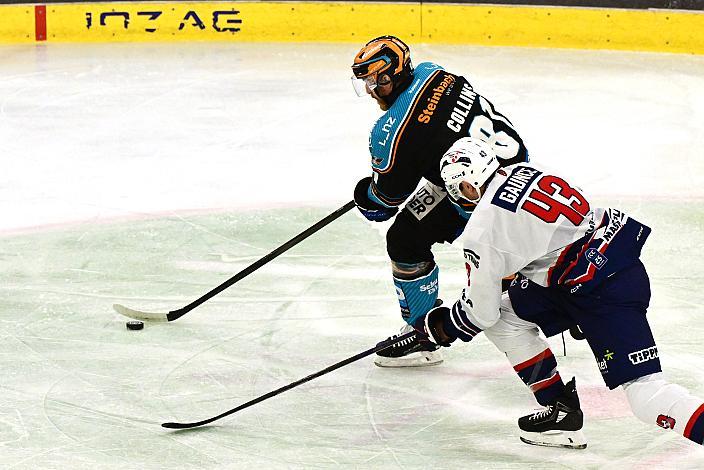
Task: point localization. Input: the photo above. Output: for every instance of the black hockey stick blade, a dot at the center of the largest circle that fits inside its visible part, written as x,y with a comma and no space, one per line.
383,345
178,313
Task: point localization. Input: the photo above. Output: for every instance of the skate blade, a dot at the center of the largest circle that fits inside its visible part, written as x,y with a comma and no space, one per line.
424,359
566,439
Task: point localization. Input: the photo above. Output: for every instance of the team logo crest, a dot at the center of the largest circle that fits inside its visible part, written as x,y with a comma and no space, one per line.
596,258
666,422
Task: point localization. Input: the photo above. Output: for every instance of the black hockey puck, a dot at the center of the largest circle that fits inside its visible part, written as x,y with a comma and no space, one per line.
135,325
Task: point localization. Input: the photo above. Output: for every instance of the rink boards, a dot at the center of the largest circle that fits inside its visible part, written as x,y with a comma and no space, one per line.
542,26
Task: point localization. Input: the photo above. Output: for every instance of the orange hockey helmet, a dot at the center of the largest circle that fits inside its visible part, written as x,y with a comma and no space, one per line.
380,60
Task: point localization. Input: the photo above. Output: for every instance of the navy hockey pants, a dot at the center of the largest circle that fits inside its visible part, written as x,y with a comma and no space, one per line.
612,317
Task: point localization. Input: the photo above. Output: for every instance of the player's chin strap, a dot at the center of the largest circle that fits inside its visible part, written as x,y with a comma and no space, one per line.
479,190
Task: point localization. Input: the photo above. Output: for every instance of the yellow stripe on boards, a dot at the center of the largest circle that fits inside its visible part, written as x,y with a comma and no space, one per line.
580,28
356,22
17,24
276,22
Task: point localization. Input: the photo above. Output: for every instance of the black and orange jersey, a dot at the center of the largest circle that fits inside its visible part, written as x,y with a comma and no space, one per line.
408,141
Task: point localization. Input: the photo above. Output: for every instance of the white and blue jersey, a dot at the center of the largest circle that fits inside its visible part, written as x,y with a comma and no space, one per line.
564,242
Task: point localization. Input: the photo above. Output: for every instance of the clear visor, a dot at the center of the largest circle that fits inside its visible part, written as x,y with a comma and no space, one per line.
361,85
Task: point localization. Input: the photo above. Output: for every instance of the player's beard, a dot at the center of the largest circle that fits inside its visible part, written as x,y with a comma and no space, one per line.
382,104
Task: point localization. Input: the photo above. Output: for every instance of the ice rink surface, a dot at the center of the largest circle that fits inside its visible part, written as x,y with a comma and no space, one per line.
149,174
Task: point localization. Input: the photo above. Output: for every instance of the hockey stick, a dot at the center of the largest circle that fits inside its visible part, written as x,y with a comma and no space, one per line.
178,313
381,346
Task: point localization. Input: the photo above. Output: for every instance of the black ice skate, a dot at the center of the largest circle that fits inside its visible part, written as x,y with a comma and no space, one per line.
412,352
558,425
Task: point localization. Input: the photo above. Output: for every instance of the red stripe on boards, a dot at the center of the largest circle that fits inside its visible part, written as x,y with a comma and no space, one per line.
40,22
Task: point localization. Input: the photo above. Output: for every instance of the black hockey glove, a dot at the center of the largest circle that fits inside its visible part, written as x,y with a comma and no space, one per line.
432,324
370,209
438,326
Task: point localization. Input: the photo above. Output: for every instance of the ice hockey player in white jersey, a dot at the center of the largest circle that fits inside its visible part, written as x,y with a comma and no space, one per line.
577,265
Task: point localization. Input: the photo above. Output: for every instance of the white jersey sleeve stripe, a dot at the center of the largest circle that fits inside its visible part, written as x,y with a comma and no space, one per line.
462,322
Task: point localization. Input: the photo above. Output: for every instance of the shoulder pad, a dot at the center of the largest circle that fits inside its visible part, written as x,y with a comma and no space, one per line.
385,132
425,67
381,140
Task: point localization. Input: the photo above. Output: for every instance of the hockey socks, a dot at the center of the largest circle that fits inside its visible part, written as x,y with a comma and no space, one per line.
695,426
418,295
670,406
528,352
540,374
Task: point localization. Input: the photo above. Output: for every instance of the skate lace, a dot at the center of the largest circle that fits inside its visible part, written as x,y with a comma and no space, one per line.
402,343
542,413
406,341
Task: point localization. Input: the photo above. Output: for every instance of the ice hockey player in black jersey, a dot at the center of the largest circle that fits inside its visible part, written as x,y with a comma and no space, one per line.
426,110
577,264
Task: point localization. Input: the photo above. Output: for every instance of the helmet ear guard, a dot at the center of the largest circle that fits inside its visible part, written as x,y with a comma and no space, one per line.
453,175
471,161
